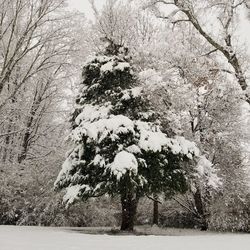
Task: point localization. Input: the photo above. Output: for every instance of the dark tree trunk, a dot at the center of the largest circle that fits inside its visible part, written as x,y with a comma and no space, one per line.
25,142
129,205
27,134
199,204
156,211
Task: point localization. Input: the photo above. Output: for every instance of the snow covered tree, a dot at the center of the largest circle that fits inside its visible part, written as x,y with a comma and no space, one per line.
119,147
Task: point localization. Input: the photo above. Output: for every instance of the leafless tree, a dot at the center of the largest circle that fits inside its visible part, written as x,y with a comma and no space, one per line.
226,13
37,47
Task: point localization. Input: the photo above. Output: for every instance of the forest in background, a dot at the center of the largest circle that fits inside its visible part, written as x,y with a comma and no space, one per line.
195,69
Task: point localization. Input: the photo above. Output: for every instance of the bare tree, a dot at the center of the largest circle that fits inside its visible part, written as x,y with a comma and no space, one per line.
124,24
26,30
37,45
226,12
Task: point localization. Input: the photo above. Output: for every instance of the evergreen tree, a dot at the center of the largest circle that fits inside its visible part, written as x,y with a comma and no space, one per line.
119,147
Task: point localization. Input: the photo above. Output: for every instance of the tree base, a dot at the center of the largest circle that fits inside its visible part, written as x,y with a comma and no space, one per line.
129,206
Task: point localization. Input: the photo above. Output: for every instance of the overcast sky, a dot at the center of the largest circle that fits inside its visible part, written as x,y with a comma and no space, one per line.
84,6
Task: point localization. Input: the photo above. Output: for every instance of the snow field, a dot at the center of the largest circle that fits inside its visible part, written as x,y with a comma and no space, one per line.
37,238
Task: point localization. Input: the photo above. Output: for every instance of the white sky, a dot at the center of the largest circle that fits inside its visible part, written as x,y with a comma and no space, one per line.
84,6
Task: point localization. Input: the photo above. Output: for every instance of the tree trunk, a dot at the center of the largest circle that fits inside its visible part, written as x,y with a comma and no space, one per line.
7,152
28,130
6,147
200,209
25,141
156,211
129,205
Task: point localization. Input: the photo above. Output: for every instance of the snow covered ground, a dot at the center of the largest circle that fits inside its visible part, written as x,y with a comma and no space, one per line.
37,238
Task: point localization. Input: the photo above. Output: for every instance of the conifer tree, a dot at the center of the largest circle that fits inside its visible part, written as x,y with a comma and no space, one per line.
119,147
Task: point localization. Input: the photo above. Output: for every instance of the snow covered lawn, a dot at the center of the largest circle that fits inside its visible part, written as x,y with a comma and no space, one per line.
37,238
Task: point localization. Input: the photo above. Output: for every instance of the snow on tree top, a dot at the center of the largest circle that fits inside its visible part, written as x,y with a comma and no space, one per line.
73,159
112,65
122,66
96,123
131,93
107,66
187,147
91,113
109,63
94,58
72,193
133,149
208,173
151,140
98,130
66,167
123,162
150,137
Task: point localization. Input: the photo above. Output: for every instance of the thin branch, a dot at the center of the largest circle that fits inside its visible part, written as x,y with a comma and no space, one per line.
153,199
210,52
11,133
